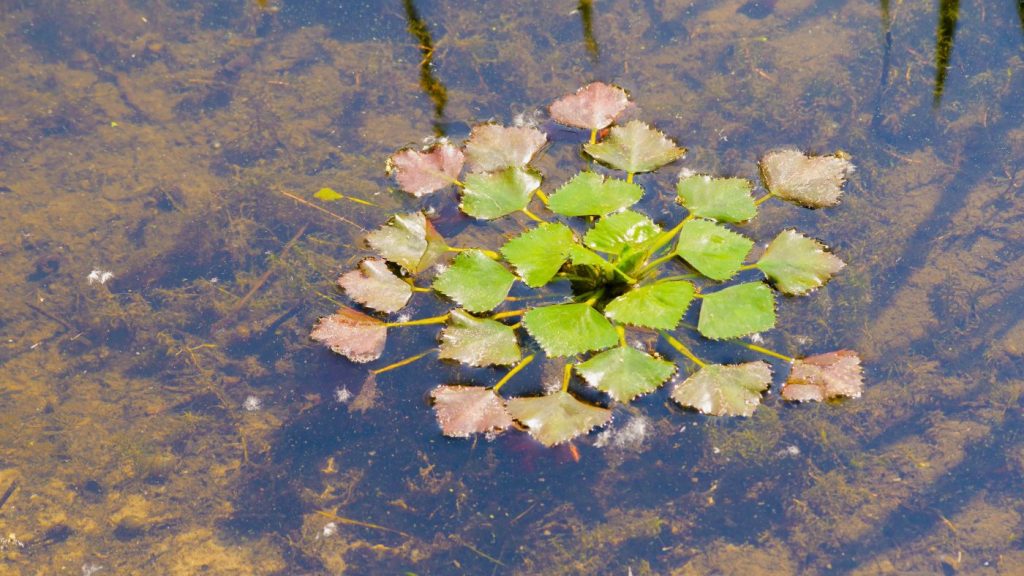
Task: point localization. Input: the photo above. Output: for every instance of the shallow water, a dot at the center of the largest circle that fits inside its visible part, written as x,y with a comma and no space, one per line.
176,419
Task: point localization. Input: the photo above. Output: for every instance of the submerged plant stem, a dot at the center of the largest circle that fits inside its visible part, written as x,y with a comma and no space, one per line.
667,237
489,253
566,376
763,199
532,216
682,349
401,363
543,197
765,351
593,136
419,322
515,370
322,209
655,263
343,520
508,314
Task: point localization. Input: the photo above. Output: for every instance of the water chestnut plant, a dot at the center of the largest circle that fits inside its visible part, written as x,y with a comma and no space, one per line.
627,276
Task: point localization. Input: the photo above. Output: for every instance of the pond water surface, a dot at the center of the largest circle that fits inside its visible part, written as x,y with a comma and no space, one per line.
174,417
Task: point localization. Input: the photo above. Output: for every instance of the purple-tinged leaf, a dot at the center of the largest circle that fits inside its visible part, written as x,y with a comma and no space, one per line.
593,107
354,335
375,286
421,173
825,376
465,410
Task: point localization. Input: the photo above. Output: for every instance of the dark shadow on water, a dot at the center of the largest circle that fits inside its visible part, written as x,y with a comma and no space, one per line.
945,35
431,85
586,11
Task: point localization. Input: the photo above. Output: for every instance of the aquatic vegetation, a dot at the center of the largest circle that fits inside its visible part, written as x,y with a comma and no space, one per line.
621,267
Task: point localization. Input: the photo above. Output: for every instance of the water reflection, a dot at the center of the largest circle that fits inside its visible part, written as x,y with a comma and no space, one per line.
586,11
429,83
945,32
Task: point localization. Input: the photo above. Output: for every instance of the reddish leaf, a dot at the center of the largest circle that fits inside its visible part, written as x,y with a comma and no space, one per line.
825,376
375,286
420,173
465,410
491,147
354,335
593,107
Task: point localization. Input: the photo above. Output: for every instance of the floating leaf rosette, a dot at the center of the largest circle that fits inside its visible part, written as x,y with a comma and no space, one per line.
585,271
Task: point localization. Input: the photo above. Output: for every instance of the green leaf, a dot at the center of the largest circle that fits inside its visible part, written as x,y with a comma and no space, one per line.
557,417
737,311
660,306
725,389
492,195
408,240
478,341
475,282
625,372
568,329
797,264
635,147
375,286
722,199
590,194
626,229
714,250
327,195
582,256
465,410
809,181
538,254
